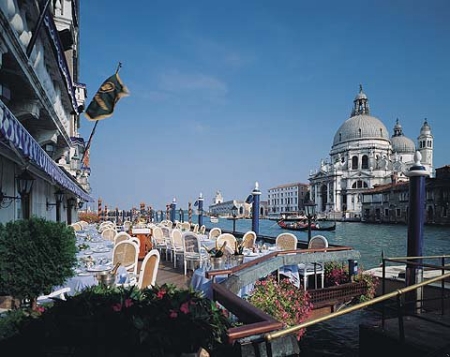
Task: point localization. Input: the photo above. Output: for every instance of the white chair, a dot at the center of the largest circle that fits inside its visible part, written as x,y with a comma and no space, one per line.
202,229
185,226
149,269
249,239
192,251
231,242
195,228
159,241
214,233
109,234
286,241
306,270
176,245
121,236
127,254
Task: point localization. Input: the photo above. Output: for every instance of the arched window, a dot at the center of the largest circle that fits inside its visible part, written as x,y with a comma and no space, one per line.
365,162
355,162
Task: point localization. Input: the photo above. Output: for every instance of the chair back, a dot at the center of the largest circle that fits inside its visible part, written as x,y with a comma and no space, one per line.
76,226
195,228
202,229
121,236
186,226
158,235
177,239
127,225
249,239
127,253
214,233
318,242
83,224
149,269
191,244
230,239
286,241
109,233
136,240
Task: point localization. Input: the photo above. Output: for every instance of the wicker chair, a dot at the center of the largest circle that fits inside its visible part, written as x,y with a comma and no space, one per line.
249,239
159,240
214,233
202,229
231,242
120,237
126,253
286,241
149,269
192,251
185,226
176,245
109,234
306,270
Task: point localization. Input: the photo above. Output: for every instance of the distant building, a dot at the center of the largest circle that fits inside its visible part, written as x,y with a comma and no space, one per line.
389,203
287,199
364,156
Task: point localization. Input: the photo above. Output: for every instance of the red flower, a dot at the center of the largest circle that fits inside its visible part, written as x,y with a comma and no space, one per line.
160,294
117,307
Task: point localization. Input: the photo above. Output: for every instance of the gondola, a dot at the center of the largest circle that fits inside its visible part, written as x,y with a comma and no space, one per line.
302,226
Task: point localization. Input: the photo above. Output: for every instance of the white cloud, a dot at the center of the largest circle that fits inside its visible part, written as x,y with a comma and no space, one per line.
176,82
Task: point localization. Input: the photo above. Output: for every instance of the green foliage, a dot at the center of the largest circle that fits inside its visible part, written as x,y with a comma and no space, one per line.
35,256
158,321
282,300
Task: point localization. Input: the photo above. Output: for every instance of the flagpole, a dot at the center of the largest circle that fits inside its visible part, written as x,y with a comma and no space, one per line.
119,66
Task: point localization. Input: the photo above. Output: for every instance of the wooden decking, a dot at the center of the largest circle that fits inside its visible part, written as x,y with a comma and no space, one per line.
168,275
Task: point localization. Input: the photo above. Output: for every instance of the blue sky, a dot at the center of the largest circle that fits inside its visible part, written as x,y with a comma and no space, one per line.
227,93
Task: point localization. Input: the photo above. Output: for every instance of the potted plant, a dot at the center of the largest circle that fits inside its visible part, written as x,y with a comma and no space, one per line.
35,256
283,300
157,321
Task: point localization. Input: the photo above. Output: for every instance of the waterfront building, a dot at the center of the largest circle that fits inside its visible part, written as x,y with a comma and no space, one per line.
40,104
363,156
221,208
287,199
389,203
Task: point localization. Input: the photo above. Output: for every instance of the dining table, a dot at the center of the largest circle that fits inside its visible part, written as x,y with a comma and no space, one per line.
94,255
200,282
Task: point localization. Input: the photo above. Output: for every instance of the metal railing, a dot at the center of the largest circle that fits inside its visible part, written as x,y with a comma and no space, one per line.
394,294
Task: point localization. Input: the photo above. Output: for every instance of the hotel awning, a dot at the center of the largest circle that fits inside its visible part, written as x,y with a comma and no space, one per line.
13,133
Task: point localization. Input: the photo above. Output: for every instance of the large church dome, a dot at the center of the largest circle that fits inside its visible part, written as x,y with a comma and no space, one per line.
401,143
361,125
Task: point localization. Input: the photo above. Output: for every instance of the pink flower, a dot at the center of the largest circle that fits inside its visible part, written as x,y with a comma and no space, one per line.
173,314
128,303
184,308
117,307
161,294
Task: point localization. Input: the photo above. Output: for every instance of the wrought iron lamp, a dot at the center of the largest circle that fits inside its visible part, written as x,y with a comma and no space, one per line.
5,200
59,195
234,211
310,209
24,185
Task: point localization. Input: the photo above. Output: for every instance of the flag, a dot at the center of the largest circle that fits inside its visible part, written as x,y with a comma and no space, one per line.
104,101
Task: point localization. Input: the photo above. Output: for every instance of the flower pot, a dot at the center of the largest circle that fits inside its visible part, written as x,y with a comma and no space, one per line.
217,263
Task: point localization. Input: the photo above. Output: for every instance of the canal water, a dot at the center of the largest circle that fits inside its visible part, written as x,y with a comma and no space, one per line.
339,337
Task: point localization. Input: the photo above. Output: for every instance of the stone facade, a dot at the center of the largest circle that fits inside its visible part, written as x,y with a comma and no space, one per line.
363,156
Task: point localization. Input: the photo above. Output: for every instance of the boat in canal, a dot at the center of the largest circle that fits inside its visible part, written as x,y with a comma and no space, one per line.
303,226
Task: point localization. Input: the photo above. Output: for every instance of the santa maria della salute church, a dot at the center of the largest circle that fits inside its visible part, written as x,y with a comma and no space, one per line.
364,155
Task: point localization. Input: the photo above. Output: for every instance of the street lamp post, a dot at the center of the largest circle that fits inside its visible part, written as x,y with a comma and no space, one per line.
234,210
180,213
310,208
